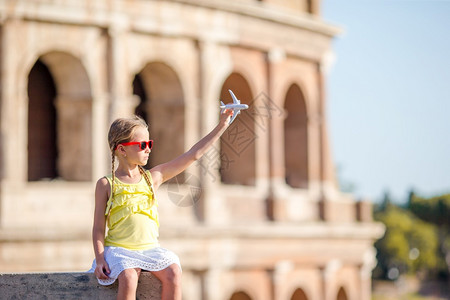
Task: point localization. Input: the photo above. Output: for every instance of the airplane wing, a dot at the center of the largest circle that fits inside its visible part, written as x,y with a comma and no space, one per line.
235,113
235,100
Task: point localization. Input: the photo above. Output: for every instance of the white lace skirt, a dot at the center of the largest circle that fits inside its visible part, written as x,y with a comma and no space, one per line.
119,259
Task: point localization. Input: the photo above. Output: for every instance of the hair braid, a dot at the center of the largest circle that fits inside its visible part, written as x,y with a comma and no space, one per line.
113,167
144,173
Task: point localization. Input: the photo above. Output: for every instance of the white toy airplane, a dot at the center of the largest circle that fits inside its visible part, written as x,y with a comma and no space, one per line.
236,106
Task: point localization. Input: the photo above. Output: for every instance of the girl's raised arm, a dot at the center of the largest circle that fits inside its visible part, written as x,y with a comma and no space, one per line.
166,171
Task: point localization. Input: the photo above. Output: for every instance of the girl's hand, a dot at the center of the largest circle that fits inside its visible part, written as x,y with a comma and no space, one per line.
225,117
102,270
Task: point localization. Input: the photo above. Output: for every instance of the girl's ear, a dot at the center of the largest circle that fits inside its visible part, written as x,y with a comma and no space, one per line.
121,150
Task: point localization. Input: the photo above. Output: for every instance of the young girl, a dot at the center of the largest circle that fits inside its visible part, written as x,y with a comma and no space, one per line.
125,201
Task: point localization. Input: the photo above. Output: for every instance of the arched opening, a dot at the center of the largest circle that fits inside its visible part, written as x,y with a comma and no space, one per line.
296,139
161,104
309,6
139,91
237,144
42,145
341,294
240,296
60,116
299,295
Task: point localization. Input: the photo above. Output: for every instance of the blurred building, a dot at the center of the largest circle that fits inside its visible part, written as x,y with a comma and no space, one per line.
259,217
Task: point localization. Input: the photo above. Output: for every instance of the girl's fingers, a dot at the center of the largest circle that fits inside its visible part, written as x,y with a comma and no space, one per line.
102,276
102,272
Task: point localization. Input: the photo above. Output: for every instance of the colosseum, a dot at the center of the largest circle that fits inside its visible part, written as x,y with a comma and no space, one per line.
260,217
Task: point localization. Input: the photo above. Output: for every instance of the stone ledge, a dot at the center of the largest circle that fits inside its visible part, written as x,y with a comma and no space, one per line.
70,286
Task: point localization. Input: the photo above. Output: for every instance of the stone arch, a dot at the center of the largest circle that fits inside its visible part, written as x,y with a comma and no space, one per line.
299,294
237,145
68,86
341,295
240,296
296,138
162,105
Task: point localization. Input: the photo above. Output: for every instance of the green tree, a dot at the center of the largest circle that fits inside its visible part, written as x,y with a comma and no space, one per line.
436,210
385,203
409,244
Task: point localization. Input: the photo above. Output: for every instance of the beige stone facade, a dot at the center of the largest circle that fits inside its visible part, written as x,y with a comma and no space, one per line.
259,217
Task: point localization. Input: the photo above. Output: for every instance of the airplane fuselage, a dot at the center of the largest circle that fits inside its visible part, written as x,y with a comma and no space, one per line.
234,106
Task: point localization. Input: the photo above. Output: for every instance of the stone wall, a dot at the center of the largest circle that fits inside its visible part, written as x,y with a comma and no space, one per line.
70,286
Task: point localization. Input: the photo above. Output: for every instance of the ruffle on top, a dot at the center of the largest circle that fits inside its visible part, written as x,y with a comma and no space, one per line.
121,212
131,199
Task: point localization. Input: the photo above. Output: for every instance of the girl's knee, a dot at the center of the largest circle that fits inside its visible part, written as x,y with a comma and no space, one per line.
172,274
129,276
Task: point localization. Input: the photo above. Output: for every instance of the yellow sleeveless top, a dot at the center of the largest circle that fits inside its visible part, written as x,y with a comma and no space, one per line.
133,220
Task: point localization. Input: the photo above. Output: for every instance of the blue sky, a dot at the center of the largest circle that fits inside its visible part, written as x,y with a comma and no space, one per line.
389,96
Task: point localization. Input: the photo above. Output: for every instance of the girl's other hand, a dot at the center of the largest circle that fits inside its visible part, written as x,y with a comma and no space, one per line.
102,270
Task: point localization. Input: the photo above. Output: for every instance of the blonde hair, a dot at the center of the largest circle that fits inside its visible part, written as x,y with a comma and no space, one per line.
122,131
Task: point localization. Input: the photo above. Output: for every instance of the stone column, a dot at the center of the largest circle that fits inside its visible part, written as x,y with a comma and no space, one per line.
211,284
13,108
328,274
276,204
280,274
365,273
328,185
328,170
122,102
13,120
101,157
212,209
315,7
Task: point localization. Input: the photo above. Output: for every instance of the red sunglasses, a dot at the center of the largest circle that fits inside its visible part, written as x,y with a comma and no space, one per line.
142,145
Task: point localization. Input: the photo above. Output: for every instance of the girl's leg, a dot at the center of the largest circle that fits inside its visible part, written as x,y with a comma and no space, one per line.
128,281
170,278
